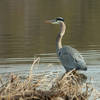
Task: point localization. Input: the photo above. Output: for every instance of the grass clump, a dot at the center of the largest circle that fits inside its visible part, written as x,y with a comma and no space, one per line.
69,87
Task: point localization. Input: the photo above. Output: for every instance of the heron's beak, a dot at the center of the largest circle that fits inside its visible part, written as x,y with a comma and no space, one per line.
53,21
48,21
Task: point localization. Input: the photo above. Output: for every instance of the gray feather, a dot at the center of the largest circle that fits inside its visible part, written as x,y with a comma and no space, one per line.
71,58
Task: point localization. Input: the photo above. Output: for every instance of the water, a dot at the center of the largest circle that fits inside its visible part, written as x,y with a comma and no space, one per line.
24,35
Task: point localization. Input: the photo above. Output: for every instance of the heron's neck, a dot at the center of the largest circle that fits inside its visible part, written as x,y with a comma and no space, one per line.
60,35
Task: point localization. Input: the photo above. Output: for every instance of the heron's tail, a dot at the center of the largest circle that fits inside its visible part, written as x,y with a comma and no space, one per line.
82,68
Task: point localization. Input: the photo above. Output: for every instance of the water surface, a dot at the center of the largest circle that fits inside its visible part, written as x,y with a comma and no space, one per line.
24,35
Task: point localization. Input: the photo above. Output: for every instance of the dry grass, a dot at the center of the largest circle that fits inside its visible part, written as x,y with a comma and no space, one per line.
69,87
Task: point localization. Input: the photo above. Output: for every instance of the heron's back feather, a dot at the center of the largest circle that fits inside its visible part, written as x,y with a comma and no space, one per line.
71,58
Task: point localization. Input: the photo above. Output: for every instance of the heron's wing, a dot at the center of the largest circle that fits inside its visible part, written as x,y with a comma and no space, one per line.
71,57
74,53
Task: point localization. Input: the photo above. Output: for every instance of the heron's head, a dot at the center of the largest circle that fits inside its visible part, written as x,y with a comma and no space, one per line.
57,20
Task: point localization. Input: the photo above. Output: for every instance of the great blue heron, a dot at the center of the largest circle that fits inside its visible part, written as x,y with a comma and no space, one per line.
69,57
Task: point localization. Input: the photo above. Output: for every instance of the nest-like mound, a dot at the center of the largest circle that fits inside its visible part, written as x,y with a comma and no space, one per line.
69,87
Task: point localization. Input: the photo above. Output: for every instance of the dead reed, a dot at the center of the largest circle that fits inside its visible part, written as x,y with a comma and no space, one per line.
69,87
